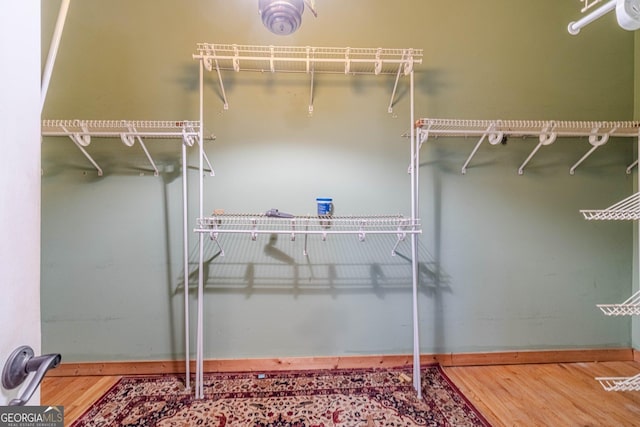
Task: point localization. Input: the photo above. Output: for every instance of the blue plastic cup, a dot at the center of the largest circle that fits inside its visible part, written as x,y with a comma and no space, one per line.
325,206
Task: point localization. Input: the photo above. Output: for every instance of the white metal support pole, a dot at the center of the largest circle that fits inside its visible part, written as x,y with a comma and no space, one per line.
186,267
53,51
185,248
414,248
575,27
200,333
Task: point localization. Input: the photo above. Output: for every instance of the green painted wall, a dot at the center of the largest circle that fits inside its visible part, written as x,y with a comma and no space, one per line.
507,262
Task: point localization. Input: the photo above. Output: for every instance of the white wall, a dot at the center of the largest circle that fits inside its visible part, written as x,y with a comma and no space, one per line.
20,177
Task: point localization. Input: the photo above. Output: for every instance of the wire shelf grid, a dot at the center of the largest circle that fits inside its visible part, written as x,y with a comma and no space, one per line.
620,383
262,223
627,209
305,59
462,127
631,306
116,128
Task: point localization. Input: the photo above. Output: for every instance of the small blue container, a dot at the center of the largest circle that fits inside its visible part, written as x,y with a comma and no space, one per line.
325,206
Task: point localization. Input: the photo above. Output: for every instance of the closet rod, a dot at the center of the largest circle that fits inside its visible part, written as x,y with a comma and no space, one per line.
575,26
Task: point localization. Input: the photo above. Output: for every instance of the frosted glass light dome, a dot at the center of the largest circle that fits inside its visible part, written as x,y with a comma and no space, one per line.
281,17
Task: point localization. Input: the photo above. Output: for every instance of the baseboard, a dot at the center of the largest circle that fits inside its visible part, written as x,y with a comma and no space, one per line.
338,362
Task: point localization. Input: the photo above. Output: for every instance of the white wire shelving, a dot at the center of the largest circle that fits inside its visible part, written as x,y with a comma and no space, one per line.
309,60
547,131
254,224
129,132
620,383
630,307
627,209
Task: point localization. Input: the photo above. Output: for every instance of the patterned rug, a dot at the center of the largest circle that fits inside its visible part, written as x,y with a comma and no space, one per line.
322,398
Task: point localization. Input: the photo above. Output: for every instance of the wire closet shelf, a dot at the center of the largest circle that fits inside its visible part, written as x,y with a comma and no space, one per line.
308,60
627,209
129,132
296,59
547,132
254,224
116,128
630,307
620,383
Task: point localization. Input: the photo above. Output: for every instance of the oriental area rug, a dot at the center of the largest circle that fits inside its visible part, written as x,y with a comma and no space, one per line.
318,398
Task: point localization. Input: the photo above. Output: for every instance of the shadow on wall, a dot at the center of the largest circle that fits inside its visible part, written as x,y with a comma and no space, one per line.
338,266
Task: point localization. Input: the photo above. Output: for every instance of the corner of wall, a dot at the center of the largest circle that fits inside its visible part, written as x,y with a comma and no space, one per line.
635,324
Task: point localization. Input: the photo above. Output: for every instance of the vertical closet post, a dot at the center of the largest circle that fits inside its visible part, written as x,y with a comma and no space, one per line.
200,332
415,158
185,249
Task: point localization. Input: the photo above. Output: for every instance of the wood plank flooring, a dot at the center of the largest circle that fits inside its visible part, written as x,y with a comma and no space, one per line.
565,394
559,394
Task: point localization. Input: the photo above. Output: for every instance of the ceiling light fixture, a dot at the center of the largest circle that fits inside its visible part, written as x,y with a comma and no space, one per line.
283,17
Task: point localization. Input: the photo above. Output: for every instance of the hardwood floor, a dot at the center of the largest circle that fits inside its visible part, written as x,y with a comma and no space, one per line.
565,394
559,394
76,394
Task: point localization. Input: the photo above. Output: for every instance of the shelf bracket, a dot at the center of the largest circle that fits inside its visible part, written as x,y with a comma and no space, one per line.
635,162
208,65
272,64
377,65
128,140
395,87
347,61
401,236
361,234
214,236
494,138
423,136
81,141
189,140
146,152
547,137
596,140
311,92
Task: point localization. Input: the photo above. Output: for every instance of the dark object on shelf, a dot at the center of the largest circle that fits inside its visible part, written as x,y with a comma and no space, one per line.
277,214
